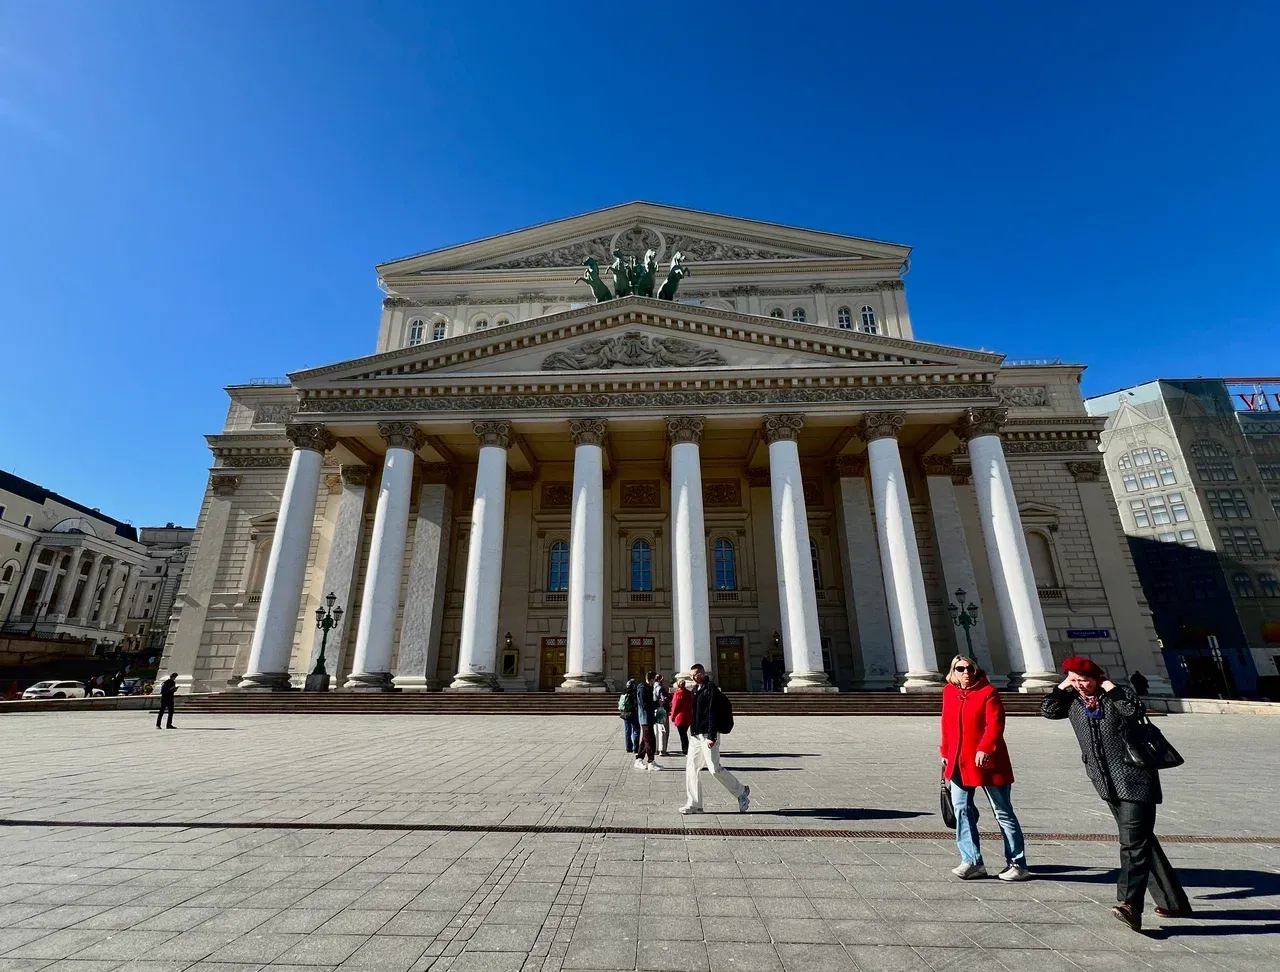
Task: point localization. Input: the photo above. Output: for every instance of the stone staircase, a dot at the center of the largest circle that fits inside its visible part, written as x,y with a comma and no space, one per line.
560,704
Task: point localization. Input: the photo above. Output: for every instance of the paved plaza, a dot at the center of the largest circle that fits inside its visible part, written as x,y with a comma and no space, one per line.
520,844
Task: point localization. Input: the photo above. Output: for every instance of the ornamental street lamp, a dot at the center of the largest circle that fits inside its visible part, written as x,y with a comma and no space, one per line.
327,619
963,617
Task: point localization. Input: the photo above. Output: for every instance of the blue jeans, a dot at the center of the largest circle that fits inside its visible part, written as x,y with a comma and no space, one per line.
1015,851
632,729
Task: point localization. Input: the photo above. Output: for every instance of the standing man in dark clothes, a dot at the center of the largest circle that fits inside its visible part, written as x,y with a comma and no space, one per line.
1139,683
645,708
168,688
703,750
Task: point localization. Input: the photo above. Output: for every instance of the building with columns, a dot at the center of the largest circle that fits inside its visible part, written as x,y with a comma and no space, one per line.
67,571
527,489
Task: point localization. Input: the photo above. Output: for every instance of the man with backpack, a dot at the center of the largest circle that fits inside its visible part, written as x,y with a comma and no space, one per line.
627,713
712,718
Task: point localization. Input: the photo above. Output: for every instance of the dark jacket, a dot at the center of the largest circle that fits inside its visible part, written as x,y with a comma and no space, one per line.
644,703
1102,743
704,710
167,688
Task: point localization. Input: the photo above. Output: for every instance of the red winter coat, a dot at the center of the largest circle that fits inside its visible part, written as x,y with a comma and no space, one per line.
682,707
973,720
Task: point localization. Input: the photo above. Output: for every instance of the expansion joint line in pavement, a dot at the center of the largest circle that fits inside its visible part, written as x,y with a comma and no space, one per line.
691,831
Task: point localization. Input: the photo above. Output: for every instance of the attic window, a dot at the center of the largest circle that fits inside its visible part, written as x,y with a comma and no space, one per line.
798,314
439,331
777,312
502,322
415,332
844,319
869,319
482,323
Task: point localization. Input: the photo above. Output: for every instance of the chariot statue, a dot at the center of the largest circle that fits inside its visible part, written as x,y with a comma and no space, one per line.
630,277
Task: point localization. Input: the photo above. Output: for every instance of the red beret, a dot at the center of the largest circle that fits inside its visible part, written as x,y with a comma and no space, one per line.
1083,666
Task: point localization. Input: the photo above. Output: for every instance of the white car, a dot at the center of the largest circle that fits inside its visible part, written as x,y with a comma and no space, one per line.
55,690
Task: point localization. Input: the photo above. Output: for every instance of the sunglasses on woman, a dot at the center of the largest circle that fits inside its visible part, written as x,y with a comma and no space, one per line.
964,668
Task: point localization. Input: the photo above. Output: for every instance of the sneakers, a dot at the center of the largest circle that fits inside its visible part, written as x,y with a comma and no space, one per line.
744,799
655,767
1014,872
967,872
639,764
686,810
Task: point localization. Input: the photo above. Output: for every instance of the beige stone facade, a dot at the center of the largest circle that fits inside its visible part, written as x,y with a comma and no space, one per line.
771,321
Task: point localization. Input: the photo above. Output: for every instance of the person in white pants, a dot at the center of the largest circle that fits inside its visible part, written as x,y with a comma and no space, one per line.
703,749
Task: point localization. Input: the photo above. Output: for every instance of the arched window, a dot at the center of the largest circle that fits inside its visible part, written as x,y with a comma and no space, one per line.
502,321
869,319
777,312
482,323
844,318
1270,586
1041,560
726,562
641,566
816,562
1208,449
416,329
1152,467
1243,584
439,331
798,314
558,567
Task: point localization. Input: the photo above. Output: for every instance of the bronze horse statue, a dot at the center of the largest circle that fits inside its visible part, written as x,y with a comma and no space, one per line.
591,277
675,274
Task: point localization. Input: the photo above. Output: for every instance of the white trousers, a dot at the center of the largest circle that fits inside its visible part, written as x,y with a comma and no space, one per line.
700,755
661,733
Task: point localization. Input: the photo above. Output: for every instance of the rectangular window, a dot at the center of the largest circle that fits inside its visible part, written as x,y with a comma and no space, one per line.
26,521
1241,542
1275,501
1228,504
1178,507
1167,477
1267,470
1188,538
1142,457
1159,511
1140,518
1,512
1169,537
1216,472
1130,482
1149,480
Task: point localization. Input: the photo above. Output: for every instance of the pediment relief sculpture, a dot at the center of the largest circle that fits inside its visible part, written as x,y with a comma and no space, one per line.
633,349
569,255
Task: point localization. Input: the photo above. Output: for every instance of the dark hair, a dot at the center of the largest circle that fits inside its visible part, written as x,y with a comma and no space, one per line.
174,675
697,668
650,676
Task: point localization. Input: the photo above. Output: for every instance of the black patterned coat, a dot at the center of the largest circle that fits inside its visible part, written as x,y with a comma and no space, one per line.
1102,743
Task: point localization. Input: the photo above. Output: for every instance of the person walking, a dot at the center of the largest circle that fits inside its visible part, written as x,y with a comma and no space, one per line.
627,711
1099,712
704,751
974,755
168,688
682,713
1139,683
661,720
644,713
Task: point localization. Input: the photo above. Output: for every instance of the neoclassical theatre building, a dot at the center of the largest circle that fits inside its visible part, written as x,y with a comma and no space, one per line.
535,484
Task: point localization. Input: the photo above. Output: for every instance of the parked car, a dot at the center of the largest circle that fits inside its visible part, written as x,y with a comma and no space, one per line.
134,686
55,690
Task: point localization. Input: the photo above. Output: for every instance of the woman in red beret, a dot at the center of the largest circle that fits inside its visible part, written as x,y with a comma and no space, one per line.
974,755
1100,712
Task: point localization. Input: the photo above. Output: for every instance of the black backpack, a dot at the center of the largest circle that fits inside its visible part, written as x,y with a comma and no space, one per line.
722,709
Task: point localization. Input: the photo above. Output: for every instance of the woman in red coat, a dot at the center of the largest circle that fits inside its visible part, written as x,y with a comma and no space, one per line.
682,712
974,755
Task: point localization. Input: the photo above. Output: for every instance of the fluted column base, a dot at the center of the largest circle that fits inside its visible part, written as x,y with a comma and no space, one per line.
809,682
266,682
369,682
474,682
920,682
416,683
583,682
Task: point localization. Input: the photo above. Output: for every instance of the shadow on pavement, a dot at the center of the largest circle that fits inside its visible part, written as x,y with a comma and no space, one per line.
733,755
847,813
1236,884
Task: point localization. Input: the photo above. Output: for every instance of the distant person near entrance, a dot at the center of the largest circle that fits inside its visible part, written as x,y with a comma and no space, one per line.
168,688
710,713
1139,683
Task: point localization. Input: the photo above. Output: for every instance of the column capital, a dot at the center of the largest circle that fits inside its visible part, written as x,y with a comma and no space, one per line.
223,485
782,428
356,475
402,435
588,431
882,425
981,421
315,437
1086,471
938,465
850,467
493,433
684,428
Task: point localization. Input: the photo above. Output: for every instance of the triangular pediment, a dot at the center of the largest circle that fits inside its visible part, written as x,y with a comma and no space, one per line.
639,335
637,227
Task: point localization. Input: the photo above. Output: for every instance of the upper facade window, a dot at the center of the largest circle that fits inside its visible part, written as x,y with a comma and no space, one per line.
641,566
777,312
1208,449
726,561
558,567
816,563
482,323
502,321
798,314
1151,467
1243,584
416,330
844,319
1240,541
1159,511
1228,504
1216,470
869,325
1270,586
1267,470
439,331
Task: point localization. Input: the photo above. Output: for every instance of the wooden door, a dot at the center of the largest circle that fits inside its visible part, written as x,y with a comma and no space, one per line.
551,671
642,656
731,664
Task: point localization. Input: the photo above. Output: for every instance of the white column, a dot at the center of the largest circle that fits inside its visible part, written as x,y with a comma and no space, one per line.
689,599
79,609
116,578
899,554
801,638
68,588
957,565
121,614
340,569
371,666
46,589
1011,574
272,646
584,661
478,645
864,584
24,585
419,653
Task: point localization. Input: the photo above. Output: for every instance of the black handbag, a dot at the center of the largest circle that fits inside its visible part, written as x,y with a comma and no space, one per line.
948,808
1146,748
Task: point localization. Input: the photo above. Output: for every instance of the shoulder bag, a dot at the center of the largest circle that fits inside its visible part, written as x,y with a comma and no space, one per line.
1146,748
948,807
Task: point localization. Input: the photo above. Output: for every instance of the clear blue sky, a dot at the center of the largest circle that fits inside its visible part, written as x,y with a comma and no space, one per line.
193,194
